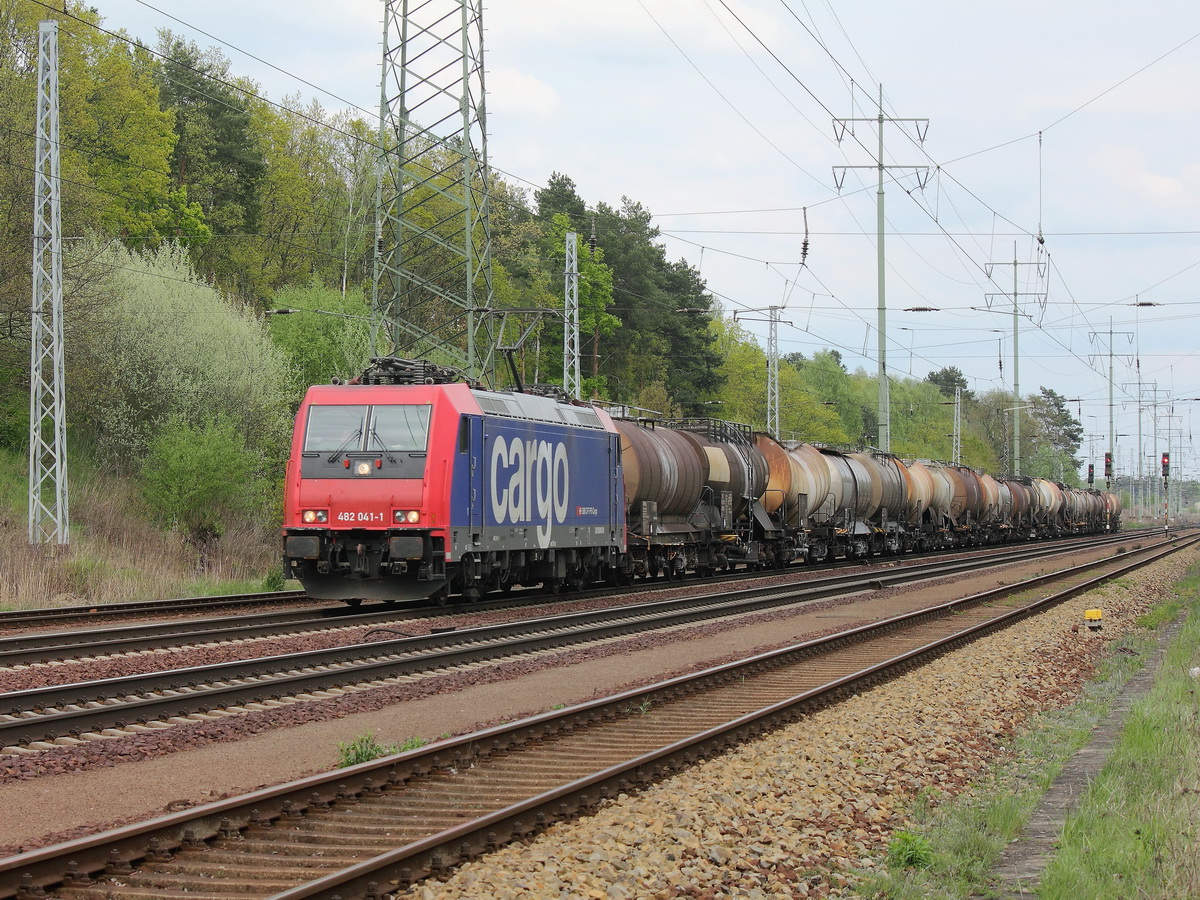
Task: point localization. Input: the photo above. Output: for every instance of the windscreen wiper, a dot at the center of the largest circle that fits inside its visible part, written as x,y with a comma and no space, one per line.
346,443
384,447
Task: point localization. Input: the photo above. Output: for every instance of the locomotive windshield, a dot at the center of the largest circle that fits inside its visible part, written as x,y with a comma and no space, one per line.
334,428
339,429
399,428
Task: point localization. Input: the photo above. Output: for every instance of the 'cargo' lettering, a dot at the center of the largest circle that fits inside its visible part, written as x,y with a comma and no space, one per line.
530,483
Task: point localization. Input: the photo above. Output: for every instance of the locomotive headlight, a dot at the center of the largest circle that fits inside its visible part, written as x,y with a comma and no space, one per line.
362,468
309,516
406,516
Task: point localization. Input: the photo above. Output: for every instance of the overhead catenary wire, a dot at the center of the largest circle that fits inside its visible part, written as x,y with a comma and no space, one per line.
781,263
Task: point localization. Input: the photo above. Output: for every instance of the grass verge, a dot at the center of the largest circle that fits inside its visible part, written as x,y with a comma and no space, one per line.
116,553
1136,831
1131,836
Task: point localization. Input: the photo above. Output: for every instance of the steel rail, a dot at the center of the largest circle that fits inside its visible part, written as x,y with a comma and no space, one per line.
75,863
34,647
45,714
18,617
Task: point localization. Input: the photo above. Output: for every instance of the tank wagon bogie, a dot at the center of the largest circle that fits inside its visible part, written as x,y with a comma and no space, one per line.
407,484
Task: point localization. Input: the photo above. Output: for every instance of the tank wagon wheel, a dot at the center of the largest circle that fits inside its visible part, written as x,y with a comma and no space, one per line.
354,602
675,568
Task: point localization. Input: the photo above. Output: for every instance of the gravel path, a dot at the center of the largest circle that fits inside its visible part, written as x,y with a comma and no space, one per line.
787,816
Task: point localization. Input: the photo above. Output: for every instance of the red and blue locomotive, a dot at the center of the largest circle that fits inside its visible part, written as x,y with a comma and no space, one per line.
404,486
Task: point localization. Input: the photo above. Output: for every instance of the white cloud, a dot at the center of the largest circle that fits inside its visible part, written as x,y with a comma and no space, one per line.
514,92
1128,173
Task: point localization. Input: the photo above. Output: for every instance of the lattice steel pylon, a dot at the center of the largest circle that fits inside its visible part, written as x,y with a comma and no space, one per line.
773,373
48,514
433,273
571,382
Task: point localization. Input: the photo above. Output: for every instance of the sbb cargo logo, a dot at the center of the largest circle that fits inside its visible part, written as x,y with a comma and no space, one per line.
530,481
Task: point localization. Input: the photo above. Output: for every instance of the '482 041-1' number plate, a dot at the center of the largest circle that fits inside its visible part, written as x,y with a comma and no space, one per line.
360,517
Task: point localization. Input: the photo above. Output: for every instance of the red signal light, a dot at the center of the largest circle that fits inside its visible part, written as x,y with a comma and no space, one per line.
1166,464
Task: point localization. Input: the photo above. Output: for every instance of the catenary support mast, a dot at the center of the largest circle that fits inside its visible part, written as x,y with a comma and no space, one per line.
922,127
571,382
49,521
433,274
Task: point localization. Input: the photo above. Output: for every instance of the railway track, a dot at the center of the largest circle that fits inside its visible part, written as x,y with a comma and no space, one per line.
375,828
42,718
61,615
16,625
42,646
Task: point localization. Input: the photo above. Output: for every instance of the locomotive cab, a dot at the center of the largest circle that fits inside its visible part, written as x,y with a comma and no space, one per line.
362,516
405,491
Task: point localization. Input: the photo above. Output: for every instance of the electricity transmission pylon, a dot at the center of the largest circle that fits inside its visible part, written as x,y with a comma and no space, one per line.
48,514
433,274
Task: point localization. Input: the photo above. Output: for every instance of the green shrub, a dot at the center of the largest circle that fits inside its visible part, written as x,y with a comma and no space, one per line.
909,851
173,348
365,748
198,478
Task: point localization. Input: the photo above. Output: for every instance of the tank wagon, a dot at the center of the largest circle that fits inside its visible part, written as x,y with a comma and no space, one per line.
409,484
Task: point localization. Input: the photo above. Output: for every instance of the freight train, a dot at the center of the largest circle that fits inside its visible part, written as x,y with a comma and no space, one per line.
408,484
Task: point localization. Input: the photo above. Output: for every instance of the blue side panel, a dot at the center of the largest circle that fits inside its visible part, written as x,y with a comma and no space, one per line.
466,473
475,424
540,485
521,485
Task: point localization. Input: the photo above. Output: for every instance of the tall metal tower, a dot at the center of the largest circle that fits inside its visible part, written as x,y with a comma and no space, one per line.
773,373
1112,437
571,381
772,361
1018,406
48,516
433,272
922,126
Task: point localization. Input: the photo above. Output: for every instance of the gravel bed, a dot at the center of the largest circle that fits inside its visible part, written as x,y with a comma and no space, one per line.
797,813
108,811
78,757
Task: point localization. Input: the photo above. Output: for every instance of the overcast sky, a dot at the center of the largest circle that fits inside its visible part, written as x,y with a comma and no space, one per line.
1076,121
